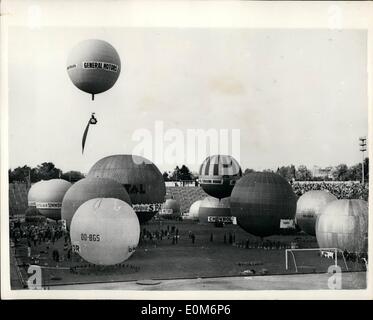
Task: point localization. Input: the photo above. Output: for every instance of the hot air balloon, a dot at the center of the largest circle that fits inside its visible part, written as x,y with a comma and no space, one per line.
218,175
90,188
33,192
141,178
171,209
93,67
48,197
343,224
105,231
194,210
260,200
309,207
213,208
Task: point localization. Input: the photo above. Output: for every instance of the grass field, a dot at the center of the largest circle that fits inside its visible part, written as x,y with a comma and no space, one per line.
165,260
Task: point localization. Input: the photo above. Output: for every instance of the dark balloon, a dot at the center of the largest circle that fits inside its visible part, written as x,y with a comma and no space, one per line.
90,188
218,175
260,200
213,207
141,178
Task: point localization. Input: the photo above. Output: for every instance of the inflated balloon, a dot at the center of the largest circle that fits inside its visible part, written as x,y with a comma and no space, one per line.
218,175
309,207
93,66
171,208
260,200
210,208
343,224
90,188
48,197
32,193
105,231
194,210
141,178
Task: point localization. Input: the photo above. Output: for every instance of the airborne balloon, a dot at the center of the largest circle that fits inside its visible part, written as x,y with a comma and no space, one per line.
260,200
93,66
105,231
141,178
343,224
218,175
90,188
309,207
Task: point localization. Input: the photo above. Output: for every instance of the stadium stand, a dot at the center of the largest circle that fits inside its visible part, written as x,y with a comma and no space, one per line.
17,199
185,196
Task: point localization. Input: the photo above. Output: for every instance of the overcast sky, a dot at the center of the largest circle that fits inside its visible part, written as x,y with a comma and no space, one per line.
297,96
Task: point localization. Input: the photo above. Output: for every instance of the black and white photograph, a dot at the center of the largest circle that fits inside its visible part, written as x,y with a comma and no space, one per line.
197,147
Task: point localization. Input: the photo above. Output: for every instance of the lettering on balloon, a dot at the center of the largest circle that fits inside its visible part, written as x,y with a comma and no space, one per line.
100,65
224,219
134,189
48,205
152,207
71,66
90,237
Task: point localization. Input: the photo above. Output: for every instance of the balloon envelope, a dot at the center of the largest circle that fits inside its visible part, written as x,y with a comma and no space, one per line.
218,174
171,207
194,210
93,66
213,207
48,197
309,207
260,200
33,192
105,231
141,178
90,188
343,224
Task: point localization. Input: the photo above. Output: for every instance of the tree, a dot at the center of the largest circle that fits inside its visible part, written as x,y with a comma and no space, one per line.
47,171
247,171
287,172
303,174
72,176
23,174
175,176
341,173
166,176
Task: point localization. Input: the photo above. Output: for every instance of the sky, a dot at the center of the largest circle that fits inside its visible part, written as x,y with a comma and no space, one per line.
296,96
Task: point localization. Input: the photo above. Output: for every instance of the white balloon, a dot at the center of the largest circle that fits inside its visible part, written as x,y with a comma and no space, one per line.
105,231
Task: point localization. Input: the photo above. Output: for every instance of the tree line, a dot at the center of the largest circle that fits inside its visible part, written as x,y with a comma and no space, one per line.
47,171
44,171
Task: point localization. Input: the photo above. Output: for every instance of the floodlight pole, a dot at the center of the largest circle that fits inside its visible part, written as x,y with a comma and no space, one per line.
363,148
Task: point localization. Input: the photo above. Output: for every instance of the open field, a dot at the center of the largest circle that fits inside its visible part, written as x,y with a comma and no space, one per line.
161,259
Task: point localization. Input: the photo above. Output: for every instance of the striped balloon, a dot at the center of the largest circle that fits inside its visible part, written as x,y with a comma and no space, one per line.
218,174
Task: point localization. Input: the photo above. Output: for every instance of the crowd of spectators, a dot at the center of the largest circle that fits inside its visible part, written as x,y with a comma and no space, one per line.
342,190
